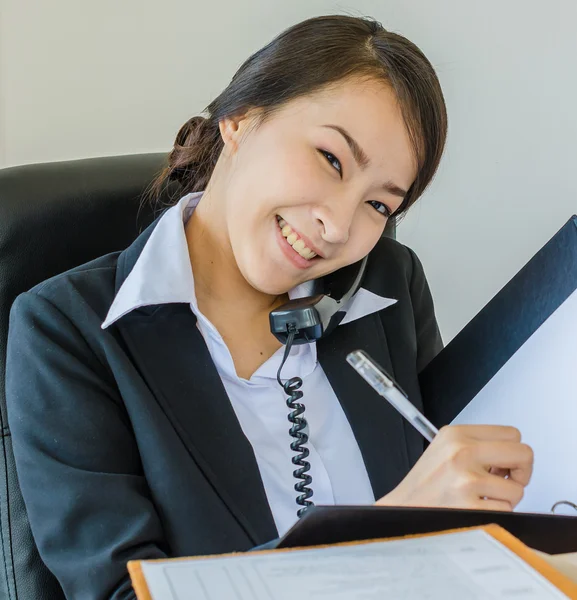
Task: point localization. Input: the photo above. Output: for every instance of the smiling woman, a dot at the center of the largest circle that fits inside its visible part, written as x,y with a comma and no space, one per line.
333,191
142,387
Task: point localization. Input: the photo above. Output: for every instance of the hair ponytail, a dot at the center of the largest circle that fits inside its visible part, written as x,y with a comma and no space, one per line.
191,161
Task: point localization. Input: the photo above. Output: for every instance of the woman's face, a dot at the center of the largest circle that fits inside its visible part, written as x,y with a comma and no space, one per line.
309,190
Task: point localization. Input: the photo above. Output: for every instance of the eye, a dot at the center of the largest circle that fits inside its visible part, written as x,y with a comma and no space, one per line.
380,207
333,160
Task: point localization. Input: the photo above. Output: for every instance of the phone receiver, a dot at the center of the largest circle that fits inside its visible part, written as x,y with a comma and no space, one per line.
317,315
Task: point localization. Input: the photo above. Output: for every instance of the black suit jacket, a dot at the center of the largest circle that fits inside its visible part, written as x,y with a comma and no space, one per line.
126,444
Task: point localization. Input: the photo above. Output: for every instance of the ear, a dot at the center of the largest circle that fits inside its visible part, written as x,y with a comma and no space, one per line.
232,129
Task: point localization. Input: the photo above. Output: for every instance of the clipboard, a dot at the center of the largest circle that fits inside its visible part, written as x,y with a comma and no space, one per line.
514,364
320,525
539,564
473,357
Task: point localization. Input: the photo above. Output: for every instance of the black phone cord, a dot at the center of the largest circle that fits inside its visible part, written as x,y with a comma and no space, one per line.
299,424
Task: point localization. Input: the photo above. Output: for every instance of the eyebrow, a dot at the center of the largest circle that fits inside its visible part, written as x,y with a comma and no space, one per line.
363,160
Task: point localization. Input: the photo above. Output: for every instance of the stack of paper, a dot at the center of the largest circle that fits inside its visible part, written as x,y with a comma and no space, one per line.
467,564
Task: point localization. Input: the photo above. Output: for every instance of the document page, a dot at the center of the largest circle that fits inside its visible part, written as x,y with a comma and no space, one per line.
469,565
536,391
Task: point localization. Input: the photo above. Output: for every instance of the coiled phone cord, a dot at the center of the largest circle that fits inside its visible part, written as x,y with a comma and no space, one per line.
299,423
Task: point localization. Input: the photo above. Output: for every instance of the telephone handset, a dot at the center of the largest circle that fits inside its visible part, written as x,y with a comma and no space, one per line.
317,315
301,321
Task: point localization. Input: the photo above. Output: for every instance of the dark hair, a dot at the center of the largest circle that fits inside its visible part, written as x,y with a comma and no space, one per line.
303,59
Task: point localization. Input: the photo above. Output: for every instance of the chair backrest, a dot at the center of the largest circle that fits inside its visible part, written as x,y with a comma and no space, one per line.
53,217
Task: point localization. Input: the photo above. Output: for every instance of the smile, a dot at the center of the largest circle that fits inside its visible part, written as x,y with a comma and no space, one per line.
294,240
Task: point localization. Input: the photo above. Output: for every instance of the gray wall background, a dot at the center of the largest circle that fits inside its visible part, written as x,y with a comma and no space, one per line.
82,79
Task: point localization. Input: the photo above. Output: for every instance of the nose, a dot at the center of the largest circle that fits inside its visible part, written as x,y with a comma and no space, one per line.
334,220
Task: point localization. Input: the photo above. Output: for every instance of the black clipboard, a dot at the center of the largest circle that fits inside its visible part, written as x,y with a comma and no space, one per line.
320,525
473,357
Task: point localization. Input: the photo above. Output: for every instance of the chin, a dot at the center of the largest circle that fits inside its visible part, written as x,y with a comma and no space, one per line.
271,288
270,281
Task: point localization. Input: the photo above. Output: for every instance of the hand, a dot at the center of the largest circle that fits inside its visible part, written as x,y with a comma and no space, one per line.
464,467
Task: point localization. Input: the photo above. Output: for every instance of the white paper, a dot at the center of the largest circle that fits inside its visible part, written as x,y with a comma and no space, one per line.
466,565
536,391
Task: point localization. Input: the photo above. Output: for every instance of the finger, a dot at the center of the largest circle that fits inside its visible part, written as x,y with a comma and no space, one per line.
499,489
517,458
487,433
522,475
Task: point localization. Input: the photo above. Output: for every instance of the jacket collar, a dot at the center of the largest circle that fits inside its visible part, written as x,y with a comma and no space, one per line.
158,271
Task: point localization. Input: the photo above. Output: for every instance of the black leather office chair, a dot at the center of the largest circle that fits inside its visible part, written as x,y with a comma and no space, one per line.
54,217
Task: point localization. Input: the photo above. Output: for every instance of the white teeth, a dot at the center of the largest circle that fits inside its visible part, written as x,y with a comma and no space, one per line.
304,251
293,239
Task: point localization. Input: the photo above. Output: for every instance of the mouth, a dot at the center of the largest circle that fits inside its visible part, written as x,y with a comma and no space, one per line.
294,246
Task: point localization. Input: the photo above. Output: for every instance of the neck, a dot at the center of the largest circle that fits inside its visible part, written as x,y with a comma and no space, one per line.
219,285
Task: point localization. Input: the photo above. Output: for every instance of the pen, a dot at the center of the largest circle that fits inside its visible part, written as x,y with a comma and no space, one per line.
386,386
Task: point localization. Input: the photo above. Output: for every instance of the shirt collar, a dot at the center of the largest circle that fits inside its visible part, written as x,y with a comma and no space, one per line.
163,274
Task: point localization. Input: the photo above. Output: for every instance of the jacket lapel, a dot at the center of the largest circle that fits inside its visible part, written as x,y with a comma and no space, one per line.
378,428
172,356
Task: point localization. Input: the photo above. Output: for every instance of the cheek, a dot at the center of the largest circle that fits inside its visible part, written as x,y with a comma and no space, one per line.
277,170
364,236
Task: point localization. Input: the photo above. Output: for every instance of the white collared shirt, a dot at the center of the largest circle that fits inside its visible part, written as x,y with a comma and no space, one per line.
163,274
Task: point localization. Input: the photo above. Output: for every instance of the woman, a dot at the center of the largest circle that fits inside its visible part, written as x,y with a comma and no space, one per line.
145,413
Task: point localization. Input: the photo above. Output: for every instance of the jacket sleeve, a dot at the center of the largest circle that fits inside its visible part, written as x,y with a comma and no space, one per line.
429,341
77,461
